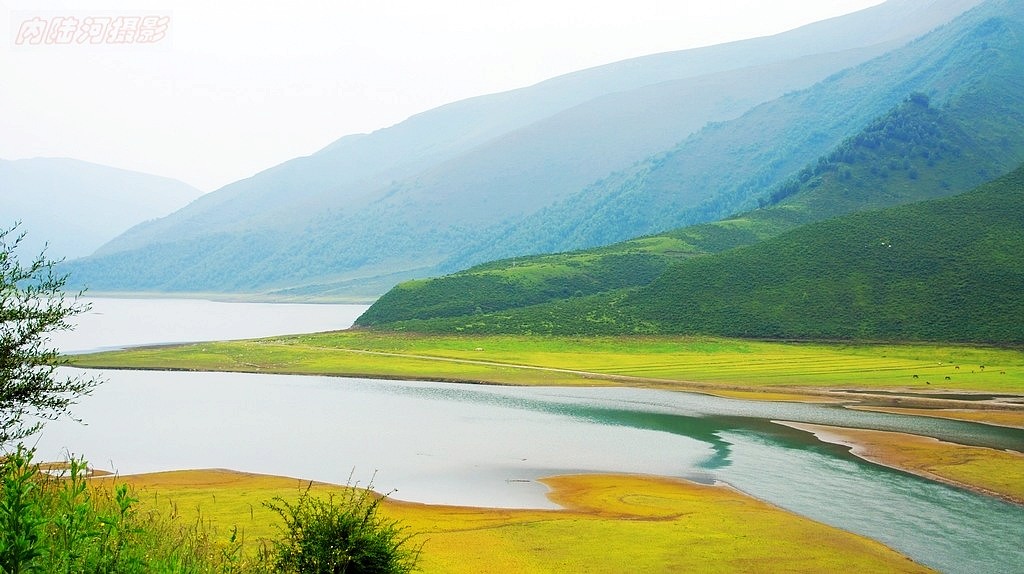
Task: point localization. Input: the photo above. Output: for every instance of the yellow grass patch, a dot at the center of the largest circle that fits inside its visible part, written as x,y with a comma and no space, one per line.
610,523
994,472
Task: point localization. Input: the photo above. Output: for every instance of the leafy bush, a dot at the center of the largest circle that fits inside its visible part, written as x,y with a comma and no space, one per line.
59,522
21,516
341,535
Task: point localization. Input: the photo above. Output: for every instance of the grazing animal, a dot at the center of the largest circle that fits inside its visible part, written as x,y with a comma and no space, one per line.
947,378
915,376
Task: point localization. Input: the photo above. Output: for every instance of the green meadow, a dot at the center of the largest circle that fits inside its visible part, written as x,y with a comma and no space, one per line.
645,361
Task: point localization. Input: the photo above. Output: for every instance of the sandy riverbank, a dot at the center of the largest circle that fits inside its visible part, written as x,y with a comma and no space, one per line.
988,471
609,523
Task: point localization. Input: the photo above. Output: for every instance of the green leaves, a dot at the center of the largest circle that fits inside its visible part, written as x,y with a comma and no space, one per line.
21,514
58,522
33,305
343,534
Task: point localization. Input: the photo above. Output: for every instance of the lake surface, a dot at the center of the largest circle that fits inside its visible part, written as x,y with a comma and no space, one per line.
118,323
482,445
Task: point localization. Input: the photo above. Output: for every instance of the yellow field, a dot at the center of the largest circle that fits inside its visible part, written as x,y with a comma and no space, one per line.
610,523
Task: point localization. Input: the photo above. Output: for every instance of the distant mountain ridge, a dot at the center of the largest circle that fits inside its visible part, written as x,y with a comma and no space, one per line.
76,206
435,192
724,168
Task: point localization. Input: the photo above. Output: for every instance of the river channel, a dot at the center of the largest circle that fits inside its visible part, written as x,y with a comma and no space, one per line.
486,445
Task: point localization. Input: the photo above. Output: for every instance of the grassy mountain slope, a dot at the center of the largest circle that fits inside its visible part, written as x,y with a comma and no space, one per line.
404,200
949,269
942,270
725,167
914,152
76,206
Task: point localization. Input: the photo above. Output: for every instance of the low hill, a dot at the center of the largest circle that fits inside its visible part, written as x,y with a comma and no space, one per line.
941,270
948,270
914,152
76,206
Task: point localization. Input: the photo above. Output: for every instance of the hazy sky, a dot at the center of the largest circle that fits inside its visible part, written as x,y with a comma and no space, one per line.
230,88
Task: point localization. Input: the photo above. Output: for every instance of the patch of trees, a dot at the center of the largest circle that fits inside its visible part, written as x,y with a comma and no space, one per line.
912,133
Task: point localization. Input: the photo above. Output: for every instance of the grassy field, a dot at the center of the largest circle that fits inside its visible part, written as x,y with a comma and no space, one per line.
609,524
658,361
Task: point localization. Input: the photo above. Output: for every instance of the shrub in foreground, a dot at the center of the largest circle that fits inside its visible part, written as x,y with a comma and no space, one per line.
341,535
59,522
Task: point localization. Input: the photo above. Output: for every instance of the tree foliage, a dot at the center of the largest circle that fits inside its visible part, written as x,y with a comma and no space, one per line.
33,304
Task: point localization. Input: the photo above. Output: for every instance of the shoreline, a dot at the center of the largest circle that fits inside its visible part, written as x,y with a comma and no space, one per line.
597,529
1007,418
861,442
868,399
996,408
880,447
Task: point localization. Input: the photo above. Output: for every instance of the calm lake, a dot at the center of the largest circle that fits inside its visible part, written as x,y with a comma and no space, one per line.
485,446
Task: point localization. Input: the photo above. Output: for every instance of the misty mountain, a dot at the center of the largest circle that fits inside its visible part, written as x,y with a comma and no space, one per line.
478,178
939,270
76,206
912,153
726,167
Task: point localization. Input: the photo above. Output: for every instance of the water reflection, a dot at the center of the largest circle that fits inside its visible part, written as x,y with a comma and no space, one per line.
941,526
478,445
661,410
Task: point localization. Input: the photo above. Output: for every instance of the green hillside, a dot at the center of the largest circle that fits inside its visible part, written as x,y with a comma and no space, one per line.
520,282
912,153
948,269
